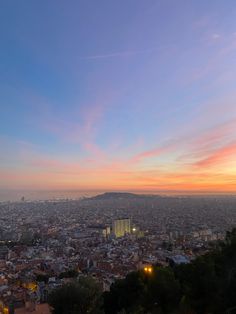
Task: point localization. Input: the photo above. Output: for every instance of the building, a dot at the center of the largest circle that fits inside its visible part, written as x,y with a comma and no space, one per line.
120,227
177,260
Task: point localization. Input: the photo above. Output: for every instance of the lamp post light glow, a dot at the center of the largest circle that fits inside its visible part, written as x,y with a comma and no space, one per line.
148,269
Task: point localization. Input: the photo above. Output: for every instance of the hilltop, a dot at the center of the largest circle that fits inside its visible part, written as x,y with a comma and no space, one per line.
120,196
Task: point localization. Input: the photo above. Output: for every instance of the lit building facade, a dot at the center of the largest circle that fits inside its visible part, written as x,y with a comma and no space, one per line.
120,227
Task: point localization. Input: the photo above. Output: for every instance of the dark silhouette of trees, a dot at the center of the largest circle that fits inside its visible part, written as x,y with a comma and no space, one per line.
125,294
69,274
207,285
80,297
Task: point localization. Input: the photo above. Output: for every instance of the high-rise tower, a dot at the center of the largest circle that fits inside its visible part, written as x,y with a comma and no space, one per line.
120,227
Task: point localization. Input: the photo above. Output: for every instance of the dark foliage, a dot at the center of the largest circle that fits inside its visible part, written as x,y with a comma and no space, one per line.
80,297
69,274
205,286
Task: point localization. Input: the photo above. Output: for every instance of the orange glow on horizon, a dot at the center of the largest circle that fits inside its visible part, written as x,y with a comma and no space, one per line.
213,171
188,182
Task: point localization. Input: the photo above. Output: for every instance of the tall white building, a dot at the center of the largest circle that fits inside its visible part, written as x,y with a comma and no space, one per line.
120,227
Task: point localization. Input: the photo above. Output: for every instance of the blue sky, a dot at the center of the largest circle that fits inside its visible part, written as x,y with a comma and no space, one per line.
88,87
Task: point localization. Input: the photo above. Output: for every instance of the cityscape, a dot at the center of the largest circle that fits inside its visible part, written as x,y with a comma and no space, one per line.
118,157
44,244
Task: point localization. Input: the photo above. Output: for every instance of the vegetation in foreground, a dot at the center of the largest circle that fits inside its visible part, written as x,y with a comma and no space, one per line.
205,286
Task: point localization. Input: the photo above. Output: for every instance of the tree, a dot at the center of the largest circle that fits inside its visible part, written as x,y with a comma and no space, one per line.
200,284
206,285
79,297
69,274
163,290
125,295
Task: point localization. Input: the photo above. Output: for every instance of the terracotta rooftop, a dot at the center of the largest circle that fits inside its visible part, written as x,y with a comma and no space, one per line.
40,309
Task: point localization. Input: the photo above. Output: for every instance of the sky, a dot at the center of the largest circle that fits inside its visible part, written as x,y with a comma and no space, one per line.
118,95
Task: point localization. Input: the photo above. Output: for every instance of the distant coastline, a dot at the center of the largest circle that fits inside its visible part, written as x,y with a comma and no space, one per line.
41,195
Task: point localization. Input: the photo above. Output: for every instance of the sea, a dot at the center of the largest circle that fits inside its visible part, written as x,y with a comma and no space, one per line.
42,195
39,195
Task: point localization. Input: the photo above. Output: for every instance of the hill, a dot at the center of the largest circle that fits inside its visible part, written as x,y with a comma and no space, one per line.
120,196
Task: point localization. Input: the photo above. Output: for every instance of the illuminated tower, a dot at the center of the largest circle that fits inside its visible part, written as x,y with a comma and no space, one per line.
120,227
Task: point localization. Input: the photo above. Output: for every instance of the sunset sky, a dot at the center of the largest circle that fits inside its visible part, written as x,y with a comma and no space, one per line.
118,95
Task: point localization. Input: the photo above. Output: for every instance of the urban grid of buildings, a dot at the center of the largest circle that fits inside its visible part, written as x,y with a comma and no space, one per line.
44,243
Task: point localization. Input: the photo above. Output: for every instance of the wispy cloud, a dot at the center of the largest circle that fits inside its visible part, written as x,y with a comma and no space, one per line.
199,148
216,36
218,156
162,149
79,127
119,54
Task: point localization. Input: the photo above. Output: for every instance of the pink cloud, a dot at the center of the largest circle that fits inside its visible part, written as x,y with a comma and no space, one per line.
164,149
200,146
217,133
218,156
148,154
46,163
83,133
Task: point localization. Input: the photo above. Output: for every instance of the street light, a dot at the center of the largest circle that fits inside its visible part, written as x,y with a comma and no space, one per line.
148,269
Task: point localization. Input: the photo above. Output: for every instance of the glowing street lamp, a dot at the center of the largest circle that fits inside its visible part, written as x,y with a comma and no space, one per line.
148,269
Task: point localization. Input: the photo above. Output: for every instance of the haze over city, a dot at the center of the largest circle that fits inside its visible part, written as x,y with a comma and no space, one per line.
118,96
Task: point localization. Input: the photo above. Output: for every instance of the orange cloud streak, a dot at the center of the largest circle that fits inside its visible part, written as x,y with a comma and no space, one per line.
219,156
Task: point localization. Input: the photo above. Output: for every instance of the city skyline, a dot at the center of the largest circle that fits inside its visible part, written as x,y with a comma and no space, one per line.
130,95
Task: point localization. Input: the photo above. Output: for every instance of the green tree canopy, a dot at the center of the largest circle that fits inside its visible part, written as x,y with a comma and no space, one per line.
207,285
80,297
